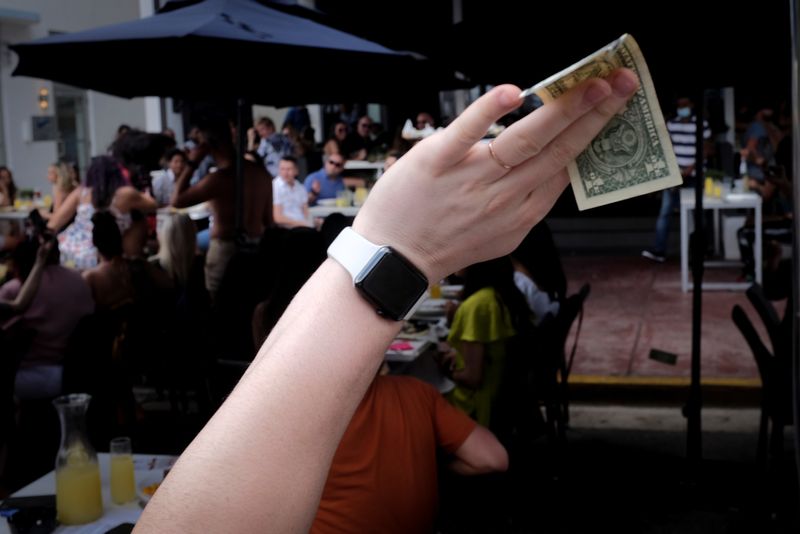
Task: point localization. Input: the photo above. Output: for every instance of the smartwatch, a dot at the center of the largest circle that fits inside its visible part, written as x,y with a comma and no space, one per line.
387,280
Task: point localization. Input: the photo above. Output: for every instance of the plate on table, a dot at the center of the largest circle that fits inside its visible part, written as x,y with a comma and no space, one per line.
329,202
452,291
147,484
432,307
412,330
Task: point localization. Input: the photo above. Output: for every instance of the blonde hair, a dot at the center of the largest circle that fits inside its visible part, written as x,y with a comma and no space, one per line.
177,244
67,177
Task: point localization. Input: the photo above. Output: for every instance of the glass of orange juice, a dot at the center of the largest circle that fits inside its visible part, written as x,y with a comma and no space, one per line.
123,482
436,290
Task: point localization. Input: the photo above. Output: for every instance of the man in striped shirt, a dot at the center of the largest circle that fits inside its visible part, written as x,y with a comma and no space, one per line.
682,131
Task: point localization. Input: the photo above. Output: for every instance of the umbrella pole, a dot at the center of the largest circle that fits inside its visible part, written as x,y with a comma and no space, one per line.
243,119
694,448
794,19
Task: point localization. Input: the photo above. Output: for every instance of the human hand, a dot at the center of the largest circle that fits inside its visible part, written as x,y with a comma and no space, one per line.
44,250
448,203
447,364
316,187
198,152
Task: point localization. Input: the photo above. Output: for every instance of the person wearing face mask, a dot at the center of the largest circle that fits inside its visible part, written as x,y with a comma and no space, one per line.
682,131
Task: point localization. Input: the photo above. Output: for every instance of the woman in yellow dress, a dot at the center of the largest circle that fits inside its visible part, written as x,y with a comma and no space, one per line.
492,313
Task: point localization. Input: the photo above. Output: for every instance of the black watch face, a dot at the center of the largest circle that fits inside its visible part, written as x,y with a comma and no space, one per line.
391,283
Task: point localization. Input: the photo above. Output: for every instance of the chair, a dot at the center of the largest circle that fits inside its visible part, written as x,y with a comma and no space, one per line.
776,390
779,337
537,373
571,309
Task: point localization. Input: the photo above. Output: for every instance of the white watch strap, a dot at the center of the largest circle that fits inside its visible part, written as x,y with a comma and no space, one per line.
352,251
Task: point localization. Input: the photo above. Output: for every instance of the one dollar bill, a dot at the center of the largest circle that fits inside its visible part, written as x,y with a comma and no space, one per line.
633,154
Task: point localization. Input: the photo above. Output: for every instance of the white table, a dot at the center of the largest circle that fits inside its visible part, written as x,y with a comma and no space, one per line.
14,215
360,165
324,211
732,201
145,466
198,212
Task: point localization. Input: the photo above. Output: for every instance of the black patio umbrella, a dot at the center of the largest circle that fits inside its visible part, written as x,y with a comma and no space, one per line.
214,49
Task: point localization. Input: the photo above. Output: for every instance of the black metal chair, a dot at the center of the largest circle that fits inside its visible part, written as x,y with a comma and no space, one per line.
776,405
537,374
779,335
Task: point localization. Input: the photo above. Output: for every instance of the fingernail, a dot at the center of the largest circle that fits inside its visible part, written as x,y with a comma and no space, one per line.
596,92
623,84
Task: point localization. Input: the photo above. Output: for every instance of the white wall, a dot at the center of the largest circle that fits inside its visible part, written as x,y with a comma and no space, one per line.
18,95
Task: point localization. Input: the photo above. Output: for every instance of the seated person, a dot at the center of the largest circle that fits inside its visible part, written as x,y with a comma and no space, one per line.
289,197
8,189
61,301
359,144
492,313
180,264
64,178
538,273
326,182
384,474
777,233
164,183
110,281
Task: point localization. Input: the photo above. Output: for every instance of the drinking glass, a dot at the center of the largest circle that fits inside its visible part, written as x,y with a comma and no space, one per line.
123,484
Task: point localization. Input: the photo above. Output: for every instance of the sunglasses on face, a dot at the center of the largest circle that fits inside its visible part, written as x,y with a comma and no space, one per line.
336,163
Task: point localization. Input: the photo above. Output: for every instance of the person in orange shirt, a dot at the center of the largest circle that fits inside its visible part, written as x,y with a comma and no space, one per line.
384,474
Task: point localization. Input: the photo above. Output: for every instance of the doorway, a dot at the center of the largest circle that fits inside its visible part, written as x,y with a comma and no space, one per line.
72,124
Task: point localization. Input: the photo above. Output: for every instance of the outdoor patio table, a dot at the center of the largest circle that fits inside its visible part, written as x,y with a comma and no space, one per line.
358,165
731,201
324,211
147,468
14,214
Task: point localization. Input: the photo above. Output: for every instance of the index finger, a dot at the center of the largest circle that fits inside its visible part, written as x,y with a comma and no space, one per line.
471,126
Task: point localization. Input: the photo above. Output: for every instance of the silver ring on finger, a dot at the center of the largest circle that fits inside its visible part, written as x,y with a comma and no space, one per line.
498,160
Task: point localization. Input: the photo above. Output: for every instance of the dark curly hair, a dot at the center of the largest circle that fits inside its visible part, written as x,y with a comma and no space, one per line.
499,275
104,176
106,235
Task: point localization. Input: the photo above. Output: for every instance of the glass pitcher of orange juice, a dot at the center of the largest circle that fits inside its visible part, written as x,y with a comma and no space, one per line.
78,498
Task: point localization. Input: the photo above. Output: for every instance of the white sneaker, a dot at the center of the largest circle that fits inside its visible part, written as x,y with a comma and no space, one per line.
650,255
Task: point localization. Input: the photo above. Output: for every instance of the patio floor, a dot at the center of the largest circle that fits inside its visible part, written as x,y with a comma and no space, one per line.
637,305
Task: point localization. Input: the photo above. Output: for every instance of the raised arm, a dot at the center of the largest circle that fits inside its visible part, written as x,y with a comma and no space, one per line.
31,285
66,211
445,205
